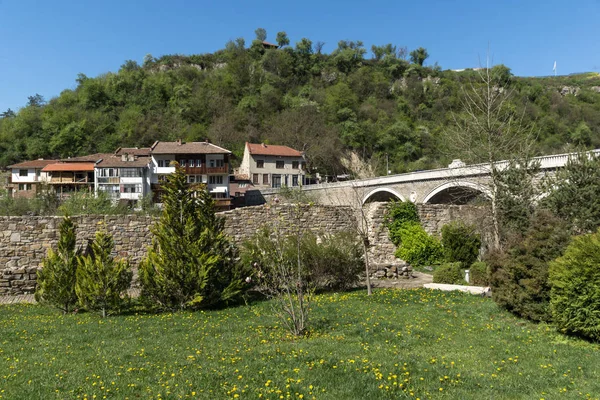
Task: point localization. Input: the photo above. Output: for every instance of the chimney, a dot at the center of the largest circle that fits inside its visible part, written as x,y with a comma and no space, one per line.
178,141
124,157
130,157
264,145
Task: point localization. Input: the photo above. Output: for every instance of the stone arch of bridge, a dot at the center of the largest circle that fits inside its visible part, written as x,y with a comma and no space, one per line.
459,190
382,194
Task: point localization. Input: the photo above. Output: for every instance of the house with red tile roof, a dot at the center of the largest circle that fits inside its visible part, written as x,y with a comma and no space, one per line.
274,166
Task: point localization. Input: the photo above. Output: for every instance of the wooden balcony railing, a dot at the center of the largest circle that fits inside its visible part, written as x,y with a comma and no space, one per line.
203,170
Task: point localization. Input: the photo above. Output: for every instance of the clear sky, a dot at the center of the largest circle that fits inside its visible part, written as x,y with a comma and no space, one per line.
45,44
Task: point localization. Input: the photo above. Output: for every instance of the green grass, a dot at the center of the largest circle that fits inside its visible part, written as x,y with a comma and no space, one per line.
394,345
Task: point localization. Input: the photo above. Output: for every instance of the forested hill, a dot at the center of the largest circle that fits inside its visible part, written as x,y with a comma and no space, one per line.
376,103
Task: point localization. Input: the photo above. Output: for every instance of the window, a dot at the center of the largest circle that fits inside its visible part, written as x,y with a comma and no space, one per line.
23,172
276,181
38,172
260,163
112,190
295,164
218,195
304,165
183,163
191,178
265,179
242,185
24,186
294,180
255,179
215,180
198,163
161,163
131,188
279,164
130,172
216,163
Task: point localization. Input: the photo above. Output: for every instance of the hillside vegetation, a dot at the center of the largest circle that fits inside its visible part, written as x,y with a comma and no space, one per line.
377,103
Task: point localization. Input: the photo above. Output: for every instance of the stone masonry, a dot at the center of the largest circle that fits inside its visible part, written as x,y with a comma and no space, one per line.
25,240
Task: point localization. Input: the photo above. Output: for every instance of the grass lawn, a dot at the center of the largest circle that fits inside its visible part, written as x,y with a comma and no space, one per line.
395,344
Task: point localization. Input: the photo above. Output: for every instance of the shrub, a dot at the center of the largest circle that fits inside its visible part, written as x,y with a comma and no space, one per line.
450,273
333,262
191,262
280,273
461,243
418,248
56,280
102,282
397,215
478,274
519,276
575,294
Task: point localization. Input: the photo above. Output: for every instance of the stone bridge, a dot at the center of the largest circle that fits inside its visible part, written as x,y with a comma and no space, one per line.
458,184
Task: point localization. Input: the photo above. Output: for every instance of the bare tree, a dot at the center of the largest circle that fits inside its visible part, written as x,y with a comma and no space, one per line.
488,130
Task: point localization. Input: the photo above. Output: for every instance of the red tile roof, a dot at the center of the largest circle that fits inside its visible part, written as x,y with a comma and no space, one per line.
91,158
72,166
187,148
272,150
33,164
117,162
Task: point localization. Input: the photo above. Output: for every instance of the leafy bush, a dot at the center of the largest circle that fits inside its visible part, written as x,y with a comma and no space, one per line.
478,274
191,262
85,203
56,280
418,248
575,294
397,215
461,243
102,282
519,276
333,262
450,273
280,273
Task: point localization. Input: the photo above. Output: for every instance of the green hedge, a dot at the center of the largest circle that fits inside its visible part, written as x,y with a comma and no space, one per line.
418,248
478,274
450,273
461,243
575,293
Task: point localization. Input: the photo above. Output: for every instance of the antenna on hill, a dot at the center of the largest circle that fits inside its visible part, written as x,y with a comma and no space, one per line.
554,69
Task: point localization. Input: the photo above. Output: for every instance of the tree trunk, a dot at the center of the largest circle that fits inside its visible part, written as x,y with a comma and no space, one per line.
366,251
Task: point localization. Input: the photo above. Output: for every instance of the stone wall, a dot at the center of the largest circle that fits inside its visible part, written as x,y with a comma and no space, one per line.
433,218
25,240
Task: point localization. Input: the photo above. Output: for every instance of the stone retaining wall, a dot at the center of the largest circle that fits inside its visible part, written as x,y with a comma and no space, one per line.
25,240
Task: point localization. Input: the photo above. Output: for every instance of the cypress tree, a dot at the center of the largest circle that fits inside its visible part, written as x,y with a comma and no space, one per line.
191,262
102,281
56,280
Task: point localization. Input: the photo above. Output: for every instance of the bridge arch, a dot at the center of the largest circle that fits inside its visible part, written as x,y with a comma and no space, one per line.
456,192
382,194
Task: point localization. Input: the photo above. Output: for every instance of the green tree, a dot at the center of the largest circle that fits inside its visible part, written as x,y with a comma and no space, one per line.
191,262
574,192
261,34
461,243
102,281
418,56
282,39
58,276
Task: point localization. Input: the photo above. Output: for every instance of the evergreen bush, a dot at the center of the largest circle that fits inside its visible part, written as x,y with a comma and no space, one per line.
102,281
519,275
191,262
418,248
461,243
56,280
398,214
450,273
575,294
478,274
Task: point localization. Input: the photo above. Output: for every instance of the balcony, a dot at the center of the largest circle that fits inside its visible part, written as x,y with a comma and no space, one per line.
112,179
204,170
70,179
163,170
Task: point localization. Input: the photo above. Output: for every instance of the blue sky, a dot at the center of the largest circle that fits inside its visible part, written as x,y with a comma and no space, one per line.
45,44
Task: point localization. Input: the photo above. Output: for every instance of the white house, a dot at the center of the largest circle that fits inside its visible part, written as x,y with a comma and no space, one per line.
273,165
125,175
27,177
